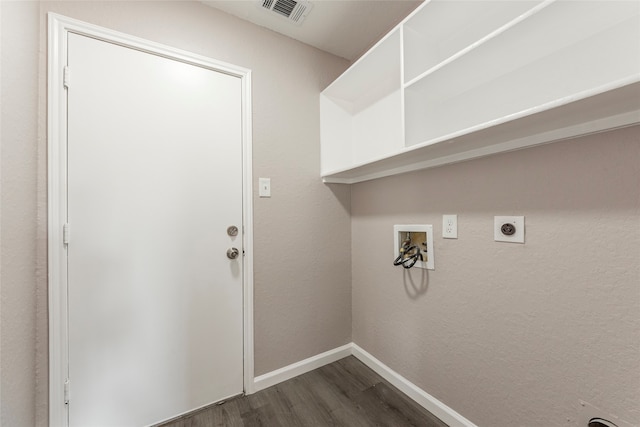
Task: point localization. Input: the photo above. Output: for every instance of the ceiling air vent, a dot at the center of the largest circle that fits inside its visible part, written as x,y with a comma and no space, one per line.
294,11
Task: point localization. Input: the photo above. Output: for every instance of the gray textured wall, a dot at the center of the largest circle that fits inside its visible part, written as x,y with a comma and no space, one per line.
509,334
18,211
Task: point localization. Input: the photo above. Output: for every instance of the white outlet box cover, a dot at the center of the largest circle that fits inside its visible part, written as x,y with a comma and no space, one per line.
450,226
516,221
429,264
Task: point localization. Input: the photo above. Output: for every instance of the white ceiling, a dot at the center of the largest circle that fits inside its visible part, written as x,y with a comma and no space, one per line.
345,28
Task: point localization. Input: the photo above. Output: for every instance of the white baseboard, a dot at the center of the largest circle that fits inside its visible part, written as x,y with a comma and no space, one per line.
272,378
421,397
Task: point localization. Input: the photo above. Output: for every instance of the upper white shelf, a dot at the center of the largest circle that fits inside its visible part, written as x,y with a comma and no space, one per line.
361,112
376,75
464,79
431,41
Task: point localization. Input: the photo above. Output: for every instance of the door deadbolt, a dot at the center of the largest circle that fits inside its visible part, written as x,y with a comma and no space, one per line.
232,253
232,230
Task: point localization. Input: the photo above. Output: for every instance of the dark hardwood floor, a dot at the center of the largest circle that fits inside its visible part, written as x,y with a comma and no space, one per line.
344,393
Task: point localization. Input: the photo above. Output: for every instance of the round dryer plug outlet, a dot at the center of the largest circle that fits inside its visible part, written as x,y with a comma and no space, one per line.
508,229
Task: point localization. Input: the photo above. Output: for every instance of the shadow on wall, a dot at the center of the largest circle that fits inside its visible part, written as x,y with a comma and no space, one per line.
342,194
416,282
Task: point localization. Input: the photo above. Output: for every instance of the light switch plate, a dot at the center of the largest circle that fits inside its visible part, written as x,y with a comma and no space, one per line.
264,187
502,225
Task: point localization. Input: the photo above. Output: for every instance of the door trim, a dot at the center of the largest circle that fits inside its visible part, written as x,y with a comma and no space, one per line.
59,28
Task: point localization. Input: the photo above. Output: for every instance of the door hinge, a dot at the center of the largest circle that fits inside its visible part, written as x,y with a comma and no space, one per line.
65,234
66,391
65,76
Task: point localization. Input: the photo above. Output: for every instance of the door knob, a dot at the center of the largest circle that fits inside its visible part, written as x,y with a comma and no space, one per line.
232,253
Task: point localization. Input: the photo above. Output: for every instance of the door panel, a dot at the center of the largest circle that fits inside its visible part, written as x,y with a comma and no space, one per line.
154,180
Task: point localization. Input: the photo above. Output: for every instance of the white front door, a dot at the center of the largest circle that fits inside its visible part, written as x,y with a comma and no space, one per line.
154,169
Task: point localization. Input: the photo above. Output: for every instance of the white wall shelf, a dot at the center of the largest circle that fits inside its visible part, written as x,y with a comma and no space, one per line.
361,111
430,41
459,80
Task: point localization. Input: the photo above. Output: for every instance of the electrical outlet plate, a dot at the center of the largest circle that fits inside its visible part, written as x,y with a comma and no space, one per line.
422,236
515,221
450,226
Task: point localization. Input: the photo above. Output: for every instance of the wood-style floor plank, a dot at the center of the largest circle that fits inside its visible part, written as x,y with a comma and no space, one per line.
345,393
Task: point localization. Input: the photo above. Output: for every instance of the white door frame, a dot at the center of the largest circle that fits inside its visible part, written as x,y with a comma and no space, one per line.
59,28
